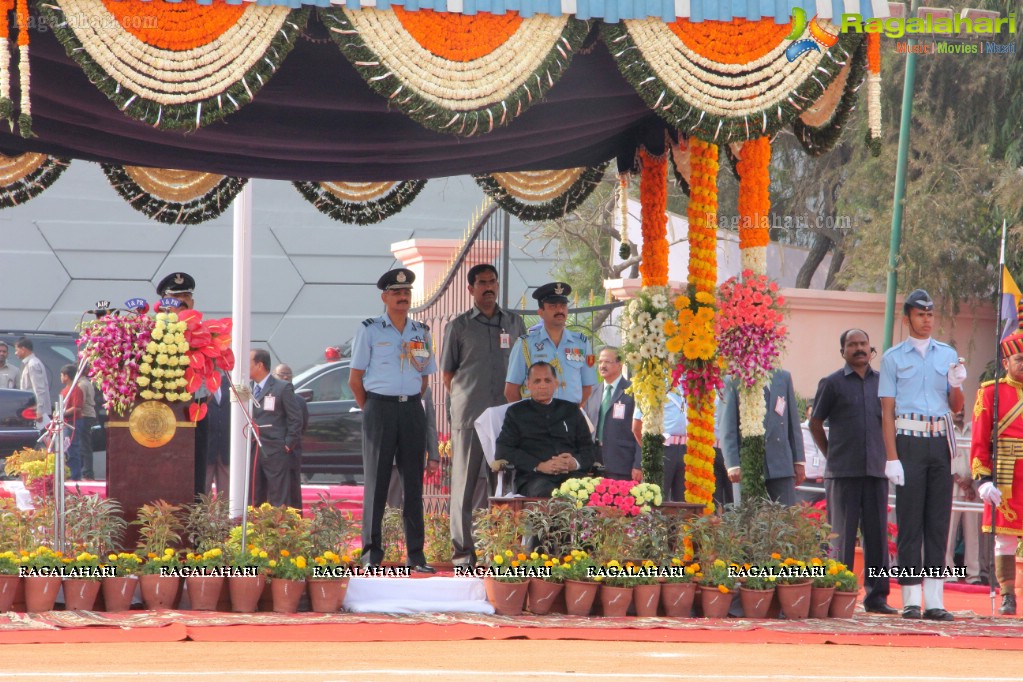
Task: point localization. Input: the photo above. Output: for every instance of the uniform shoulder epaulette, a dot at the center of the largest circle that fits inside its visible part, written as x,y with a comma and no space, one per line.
989,382
368,321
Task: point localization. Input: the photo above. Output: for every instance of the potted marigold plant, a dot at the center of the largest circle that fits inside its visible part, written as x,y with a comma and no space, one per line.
204,578
82,582
616,583
545,583
506,583
578,571
328,581
10,566
717,585
42,571
119,588
824,575
160,579
847,588
794,587
757,588
247,578
287,581
678,590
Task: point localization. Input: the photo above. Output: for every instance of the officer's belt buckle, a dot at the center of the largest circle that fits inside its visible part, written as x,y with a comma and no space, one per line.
920,425
403,399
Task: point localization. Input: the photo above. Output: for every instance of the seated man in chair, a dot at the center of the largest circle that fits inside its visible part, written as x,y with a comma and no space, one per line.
545,438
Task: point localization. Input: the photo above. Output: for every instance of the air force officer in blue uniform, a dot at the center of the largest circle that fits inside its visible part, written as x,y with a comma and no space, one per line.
392,359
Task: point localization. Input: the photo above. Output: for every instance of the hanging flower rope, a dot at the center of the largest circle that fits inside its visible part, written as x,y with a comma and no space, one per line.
175,65
725,81
175,197
455,73
694,331
541,195
643,320
874,92
820,127
754,169
25,176
360,203
622,204
6,105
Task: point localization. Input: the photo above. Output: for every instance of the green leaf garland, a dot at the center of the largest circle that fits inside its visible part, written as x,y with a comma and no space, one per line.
329,199
513,199
219,192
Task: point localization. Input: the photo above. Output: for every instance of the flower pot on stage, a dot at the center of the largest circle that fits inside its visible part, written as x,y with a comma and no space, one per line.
245,592
326,596
80,594
677,599
159,591
843,604
204,591
714,602
755,603
8,591
286,594
542,595
118,592
795,599
41,592
615,601
646,599
820,601
579,597
506,598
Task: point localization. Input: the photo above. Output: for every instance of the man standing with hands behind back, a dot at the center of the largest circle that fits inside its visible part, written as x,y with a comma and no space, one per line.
476,348
392,359
854,478
611,411
920,387
278,416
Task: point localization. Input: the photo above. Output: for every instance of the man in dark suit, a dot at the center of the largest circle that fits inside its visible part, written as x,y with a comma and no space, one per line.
278,415
611,411
545,438
784,467
284,373
214,448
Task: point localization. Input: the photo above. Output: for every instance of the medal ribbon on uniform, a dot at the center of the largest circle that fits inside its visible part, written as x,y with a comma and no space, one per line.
417,353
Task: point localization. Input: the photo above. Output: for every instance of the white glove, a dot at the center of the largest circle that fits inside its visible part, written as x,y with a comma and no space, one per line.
990,493
893,470
957,374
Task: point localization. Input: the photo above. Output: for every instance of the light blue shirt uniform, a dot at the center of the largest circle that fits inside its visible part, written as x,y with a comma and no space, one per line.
395,363
573,360
674,415
922,382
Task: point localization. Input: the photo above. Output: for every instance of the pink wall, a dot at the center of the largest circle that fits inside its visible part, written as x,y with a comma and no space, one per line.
817,318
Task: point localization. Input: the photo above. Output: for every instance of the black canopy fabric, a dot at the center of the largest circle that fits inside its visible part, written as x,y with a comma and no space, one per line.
318,120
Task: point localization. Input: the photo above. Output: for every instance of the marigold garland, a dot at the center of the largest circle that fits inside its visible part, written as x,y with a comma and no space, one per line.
819,138
702,214
874,92
653,196
699,457
458,37
739,41
754,203
175,26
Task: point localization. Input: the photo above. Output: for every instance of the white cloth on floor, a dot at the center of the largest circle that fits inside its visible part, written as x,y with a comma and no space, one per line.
416,595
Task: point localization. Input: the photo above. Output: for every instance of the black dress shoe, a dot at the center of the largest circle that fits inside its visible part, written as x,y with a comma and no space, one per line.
1008,605
880,607
423,568
938,614
911,612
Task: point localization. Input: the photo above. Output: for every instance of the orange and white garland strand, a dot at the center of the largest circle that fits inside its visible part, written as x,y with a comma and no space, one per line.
5,60
653,194
754,203
25,117
702,214
874,85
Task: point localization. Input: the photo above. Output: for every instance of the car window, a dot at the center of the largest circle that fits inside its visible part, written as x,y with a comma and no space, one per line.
331,385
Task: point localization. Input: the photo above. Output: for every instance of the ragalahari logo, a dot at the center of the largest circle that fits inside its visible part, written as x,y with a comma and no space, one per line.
818,36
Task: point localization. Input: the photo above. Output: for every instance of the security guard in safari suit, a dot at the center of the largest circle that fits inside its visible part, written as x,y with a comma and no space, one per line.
392,360
569,352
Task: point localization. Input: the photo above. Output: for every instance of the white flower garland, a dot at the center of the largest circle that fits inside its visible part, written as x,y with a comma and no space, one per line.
538,186
755,258
752,409
874,104
454,85
644,347
25,73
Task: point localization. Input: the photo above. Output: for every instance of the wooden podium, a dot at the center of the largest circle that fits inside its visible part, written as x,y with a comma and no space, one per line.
150,456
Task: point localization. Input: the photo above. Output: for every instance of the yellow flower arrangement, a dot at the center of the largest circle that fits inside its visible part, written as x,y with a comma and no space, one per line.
162,371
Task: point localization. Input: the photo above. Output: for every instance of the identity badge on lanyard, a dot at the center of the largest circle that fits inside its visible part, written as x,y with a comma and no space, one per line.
505,340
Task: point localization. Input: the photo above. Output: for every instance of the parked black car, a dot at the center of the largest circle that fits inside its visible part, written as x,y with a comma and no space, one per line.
333,441
56,349
16,430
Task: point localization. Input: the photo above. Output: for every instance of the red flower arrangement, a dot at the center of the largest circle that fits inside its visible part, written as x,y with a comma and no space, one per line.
750,324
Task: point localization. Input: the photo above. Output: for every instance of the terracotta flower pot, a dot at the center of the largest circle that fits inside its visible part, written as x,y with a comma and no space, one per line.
646,599
795,599
820,601
118,592
843,604
204,591
506,598
542,595
755,603
80,594
41,592
714,602
615,601
579,597
8,591
159,591
245,592
286,594
326,596
677,599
